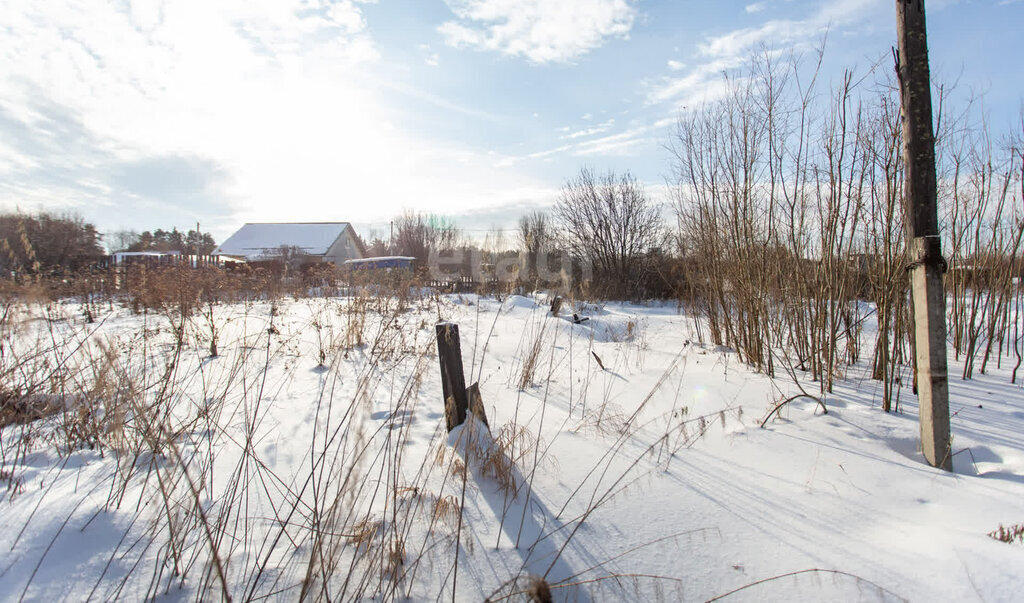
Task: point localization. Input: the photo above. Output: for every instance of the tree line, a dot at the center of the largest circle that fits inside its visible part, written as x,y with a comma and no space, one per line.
603,237
192,242
49,243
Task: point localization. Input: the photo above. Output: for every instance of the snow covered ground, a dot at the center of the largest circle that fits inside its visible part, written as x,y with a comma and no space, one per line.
261,473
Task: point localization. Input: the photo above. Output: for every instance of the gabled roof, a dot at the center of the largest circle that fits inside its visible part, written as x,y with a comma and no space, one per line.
263,239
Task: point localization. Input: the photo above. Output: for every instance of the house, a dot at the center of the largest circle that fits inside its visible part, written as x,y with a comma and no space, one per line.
316,241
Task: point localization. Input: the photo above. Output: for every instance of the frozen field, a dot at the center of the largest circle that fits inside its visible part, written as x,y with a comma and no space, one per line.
310,459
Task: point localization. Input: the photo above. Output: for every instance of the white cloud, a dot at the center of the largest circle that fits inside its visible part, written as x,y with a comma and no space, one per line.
676,65
542,31
276,100
732,49
430,57
756,7
790,32
598,129
617,144
702,83
740,41
634,138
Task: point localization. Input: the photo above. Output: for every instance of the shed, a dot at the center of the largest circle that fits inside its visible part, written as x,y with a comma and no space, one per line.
382,263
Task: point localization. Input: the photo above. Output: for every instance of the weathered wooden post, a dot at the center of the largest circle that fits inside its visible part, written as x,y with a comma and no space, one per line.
922,223
453,381
556,305
476,404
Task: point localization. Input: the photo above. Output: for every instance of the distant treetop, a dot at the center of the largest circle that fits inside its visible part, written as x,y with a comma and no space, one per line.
190,243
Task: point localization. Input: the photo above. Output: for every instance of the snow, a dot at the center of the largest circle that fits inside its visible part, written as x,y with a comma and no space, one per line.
648,480
120,255
380,259
255,240
381,262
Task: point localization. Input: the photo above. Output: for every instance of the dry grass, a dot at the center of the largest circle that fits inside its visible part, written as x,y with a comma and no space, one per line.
150,400
212,516
1011,534
534,346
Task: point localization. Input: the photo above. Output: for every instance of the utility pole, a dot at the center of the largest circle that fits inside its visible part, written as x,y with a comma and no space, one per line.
922,226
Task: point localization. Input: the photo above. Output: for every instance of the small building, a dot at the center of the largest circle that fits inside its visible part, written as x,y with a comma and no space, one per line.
155,259
129,257
389,262
333,242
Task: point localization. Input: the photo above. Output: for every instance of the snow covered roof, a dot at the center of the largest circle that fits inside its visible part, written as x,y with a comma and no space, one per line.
119,255
384,261
257,240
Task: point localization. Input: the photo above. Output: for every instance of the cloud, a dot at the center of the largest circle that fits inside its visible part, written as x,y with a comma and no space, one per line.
634,138
730,50
790,32
617,144
541,31
598,129
676,65
430,58
185,182
756,7
702,83
121,87
154,114
52,161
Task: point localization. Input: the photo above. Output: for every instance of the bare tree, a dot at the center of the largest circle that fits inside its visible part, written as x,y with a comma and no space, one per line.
416,235
122,239
536,236
610,222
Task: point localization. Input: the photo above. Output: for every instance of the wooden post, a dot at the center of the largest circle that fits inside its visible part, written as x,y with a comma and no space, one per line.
922,224
476,404
556,305
453,381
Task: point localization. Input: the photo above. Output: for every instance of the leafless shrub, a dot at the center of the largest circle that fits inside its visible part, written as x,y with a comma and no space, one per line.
770,201
790,212
609,222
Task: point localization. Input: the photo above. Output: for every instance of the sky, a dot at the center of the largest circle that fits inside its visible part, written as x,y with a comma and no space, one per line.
145,114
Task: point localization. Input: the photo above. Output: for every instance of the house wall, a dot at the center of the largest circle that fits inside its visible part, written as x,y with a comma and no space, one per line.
344,248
